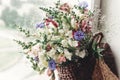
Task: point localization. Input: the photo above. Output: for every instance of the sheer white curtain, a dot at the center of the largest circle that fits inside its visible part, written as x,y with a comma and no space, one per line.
20,69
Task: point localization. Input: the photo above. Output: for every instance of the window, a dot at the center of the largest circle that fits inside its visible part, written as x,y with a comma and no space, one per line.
22,12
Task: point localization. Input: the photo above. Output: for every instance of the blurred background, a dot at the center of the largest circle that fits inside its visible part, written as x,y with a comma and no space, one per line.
25,13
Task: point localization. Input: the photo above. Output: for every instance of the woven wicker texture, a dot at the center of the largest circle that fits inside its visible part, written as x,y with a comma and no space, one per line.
69,72
103,72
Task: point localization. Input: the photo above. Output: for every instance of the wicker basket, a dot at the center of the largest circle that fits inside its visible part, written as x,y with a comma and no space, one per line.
89,68
101,69
77,71
69,72
103,72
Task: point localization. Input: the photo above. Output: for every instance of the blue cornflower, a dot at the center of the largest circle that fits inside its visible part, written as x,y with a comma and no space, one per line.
83,4
52,64
79,35
40,25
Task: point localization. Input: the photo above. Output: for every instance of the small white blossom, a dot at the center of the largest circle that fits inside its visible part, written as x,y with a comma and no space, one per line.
41,30
69,34
72,43
55,37
52,52
77,12
80,53
50,30
36,47
67,54
73,22
64,43
34,50
61,31
51,26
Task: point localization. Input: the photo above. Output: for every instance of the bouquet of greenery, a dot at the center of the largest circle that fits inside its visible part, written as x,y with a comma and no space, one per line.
61,38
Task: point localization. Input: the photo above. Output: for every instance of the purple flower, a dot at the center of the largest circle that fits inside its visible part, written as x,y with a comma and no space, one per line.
36,59
40,25
50,17
83,4
52,64
79,35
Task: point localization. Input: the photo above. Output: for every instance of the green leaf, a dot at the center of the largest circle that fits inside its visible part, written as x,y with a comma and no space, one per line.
42,70
99,50
94,46
58,42
71,49
26,32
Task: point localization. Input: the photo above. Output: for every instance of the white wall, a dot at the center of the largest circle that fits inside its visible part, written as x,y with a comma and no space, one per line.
110,8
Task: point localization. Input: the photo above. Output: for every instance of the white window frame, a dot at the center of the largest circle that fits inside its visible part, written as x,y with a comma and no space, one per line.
95,3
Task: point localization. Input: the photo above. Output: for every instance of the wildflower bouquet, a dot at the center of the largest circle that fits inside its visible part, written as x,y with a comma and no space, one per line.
61,38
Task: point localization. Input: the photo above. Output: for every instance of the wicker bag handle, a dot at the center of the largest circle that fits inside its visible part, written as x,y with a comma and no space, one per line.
97,38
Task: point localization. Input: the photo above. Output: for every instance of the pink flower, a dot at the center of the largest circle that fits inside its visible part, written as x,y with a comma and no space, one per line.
88,29
48,48
61,59
49,72
51,21
55,23
65,7
78,44
47,21
73,32
85,27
